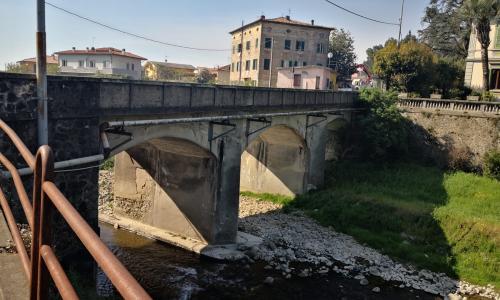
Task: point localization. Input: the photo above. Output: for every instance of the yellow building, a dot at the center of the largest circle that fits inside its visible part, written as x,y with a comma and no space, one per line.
156,70
474,67
259,48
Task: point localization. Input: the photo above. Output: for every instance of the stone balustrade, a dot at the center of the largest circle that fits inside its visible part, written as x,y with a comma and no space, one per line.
450,106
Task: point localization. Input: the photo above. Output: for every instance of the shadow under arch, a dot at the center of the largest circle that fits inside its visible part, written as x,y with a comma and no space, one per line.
275,162
335,139
170,184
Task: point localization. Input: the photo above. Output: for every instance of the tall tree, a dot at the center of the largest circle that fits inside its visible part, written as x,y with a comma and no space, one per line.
482,13
408,67
370,55
342,48
446,29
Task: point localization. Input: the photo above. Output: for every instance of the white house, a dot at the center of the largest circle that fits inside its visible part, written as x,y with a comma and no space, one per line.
107,61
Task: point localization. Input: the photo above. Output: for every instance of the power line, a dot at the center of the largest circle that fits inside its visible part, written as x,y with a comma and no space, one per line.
361,16
129,33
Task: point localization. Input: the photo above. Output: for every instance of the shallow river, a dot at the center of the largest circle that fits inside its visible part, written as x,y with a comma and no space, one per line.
167,272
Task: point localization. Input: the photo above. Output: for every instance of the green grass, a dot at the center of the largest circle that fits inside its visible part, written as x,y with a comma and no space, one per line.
446,222
278,199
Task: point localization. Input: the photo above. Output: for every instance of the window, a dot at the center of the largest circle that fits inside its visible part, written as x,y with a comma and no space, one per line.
290,63
288,44
248,45
300,45
232,67
320,48
128,66
133,67
80,63
297,78
239,48
104,64
257,43
91,64
295,63
304,64
64,63
282,64
247,65
267,63
495,79
237,66
268,43
255,64
317,82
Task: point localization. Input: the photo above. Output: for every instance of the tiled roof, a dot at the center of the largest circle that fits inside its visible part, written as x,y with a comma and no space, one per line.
282,20
52,59
99,51
172,65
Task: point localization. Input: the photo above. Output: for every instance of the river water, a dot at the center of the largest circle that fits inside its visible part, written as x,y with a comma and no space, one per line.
167,272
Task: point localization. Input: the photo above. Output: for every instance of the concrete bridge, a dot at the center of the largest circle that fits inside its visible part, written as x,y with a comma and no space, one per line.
183,151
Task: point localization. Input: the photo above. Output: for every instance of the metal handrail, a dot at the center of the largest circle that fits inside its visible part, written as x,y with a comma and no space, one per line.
47,198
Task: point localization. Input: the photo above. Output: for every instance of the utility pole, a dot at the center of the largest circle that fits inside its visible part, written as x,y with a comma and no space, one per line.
241,50
401,21
41,75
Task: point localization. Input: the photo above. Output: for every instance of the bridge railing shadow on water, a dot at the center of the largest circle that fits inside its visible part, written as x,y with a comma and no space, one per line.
43,265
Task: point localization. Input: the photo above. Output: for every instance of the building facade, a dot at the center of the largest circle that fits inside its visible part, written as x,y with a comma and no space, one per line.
474,67
95,61
263,46
157,70
29,64
308,77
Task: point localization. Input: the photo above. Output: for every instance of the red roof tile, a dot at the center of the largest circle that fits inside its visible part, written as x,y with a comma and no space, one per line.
106,50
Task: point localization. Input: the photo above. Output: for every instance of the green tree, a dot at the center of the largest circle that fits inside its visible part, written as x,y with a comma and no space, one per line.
342,48
448,77
481,13
386,62
446,29
370,56
407,67
17,68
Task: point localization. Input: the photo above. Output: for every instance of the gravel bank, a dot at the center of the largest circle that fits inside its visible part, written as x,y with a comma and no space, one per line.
295,238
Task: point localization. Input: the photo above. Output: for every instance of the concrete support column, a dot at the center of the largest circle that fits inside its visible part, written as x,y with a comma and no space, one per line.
228,152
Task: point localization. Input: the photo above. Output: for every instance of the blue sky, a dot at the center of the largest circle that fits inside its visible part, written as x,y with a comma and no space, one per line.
198,23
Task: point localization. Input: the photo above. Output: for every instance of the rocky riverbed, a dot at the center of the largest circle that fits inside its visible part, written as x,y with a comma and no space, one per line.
298,247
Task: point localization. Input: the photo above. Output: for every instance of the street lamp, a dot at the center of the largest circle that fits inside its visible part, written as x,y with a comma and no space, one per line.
330,55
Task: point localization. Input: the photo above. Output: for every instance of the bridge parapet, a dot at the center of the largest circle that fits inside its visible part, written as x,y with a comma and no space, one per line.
476,108
80,97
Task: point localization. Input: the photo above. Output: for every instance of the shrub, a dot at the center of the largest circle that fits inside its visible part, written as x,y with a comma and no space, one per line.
488,96
459,159
491,164
384,131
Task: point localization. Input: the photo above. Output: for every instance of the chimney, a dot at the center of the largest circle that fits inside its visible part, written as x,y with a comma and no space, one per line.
288,18
87,48
123,50
74,48
166,60
312,22
262,17
93,49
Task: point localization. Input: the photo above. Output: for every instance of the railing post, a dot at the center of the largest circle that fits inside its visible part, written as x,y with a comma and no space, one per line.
42,208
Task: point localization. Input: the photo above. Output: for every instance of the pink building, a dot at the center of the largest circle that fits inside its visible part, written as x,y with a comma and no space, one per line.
306,77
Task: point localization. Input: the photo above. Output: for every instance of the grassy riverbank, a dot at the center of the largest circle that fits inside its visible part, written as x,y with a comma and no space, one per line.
444,222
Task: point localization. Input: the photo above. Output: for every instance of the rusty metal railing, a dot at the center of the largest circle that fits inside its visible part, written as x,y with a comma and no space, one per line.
43,264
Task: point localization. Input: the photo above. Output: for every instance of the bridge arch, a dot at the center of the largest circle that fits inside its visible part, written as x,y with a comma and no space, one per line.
276,161
170,184
335,136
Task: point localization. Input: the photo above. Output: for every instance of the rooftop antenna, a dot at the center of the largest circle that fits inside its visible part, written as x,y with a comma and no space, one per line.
93,41
289,12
